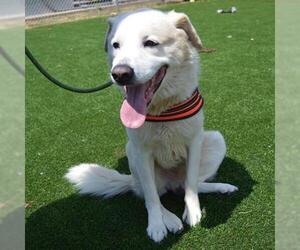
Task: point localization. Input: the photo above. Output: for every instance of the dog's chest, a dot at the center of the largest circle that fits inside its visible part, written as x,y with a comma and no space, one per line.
169,144
169,141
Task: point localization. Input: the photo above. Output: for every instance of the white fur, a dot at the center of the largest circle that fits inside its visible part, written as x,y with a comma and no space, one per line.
162,156
97,180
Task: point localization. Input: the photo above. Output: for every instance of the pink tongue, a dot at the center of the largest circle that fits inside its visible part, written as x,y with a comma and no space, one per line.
133,111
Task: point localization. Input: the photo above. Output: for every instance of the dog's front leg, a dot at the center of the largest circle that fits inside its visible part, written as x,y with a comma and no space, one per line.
143,164
192,212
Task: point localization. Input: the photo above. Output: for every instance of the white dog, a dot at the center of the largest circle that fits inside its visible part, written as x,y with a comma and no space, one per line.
154,59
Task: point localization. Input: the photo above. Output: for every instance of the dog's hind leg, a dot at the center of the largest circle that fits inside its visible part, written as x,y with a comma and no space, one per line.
213,152
223,188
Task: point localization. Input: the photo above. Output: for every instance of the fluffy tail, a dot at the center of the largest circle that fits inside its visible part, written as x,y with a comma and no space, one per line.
96,180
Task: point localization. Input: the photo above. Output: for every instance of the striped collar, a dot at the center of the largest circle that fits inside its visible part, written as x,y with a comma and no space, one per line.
180,111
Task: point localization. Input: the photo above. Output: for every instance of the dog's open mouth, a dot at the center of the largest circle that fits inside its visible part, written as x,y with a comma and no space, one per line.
134,108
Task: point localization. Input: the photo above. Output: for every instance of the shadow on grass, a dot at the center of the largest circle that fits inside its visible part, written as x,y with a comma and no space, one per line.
78,222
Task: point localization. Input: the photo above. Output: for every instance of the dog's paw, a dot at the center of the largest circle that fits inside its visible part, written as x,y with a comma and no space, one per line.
157,231
192,215
172,222
225,188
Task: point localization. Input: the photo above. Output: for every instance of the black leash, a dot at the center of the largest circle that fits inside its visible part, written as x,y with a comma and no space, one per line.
42,70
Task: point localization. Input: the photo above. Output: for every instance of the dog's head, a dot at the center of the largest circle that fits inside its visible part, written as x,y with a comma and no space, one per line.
144,49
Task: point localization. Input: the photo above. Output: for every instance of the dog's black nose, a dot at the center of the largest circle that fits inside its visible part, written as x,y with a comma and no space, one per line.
122,74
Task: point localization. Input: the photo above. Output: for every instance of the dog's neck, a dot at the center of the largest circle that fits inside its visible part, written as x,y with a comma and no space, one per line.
178,85
163,105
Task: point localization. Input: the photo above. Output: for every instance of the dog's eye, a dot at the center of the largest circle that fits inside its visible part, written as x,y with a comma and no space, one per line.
116,45
150,43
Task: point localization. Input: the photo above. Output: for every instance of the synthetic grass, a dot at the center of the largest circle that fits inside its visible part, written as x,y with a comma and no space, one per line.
64,129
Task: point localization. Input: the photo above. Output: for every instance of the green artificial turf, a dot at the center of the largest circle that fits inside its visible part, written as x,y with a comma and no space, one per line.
64,129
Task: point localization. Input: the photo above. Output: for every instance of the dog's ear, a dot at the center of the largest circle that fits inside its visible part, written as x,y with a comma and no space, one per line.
110,24
181,21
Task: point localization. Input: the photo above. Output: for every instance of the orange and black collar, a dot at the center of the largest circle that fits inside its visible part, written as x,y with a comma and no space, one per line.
180,111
